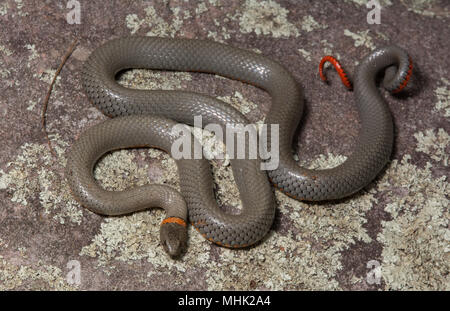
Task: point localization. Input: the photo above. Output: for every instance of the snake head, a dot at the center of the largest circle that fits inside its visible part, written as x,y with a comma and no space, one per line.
173,238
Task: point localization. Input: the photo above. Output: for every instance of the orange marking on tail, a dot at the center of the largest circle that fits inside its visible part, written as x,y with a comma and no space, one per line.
338,68
408,76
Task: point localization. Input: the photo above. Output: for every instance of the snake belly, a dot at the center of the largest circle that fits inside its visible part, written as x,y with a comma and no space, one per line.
371,151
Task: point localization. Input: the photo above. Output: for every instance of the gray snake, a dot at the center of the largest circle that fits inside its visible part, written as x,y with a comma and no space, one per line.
145,117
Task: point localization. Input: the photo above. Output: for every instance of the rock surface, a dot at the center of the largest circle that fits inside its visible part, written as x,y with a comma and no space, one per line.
392,235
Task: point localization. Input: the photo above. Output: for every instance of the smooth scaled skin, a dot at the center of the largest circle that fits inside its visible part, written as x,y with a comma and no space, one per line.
152,111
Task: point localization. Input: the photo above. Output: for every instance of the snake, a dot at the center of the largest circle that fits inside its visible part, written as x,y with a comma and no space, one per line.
145,118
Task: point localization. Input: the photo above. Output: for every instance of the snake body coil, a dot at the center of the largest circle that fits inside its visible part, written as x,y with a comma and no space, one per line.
147,122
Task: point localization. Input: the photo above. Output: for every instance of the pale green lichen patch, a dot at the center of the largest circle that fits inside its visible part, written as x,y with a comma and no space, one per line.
4,72
239,102
47,76
325,161
213,148
148,79
361,38
328,49
125,238
305,54
136,237
435,145
3,244
45,277
416,240
28,177
226,190
443,97
266,18
383,3
119,170
382,36
425,8
19,6
309,24
5,50
152,20
4,8
221,35
281,262
31,105
33,53
201,8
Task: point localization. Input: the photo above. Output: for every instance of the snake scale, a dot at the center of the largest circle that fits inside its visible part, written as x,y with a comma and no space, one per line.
145,118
